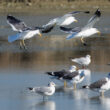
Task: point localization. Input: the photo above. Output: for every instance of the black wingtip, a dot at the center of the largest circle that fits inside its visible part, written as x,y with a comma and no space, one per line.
87,12
70,58
98,13
30,88
8,16
48,29
62,28
85,87
49,73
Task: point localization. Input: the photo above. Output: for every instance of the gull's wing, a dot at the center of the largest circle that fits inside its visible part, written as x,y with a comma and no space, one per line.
77,12
70,76
14,37
98,83
51,22
17,36
45,29
48,28
16,24
93,19
57,73
71,35
73,31
70,30
42,89
79,60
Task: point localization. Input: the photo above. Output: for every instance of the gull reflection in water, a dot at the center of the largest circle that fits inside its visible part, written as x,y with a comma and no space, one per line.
102,102
47,105
105,101
80,94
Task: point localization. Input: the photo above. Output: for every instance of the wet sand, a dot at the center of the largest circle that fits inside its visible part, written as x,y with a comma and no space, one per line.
54,7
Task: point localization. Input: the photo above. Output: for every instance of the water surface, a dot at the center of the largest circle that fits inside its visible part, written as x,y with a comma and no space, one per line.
20,69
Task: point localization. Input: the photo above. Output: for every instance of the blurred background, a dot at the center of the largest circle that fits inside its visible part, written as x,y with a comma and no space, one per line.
20,69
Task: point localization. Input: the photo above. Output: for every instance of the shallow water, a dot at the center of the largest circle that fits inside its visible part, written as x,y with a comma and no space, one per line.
20,69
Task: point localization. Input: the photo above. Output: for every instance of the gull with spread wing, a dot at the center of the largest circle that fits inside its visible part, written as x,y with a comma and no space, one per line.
86,31
24,32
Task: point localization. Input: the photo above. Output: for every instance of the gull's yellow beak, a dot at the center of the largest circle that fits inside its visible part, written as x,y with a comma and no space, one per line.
76,68
99,32
40,34
76,21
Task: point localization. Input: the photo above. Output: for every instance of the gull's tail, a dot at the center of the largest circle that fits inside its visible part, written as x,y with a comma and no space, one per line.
50,73
14,37
71,35
30,88
87,12
85,87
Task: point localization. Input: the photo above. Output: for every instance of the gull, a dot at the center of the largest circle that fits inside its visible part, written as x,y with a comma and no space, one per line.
44,91
100,86
74,78
27,34
24,32
84,61
66,19
59,74
85,31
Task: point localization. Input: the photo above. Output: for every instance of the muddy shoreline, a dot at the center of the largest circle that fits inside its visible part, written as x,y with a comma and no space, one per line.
53,7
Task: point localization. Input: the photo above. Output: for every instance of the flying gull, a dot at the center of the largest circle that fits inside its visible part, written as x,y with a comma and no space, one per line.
66,19
86,31
24,32
74,77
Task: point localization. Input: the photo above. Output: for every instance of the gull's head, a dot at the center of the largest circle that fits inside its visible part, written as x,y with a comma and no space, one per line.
82,74
88,56
39,33
51,84
96,31
73,68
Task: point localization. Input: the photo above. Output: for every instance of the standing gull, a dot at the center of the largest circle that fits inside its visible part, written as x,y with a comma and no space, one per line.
59,74
74,77
100,86
44,91
84,61
86,31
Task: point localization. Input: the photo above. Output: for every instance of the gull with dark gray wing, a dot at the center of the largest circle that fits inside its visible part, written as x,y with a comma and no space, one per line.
100,86
59,74
16,24
74,77
25,32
